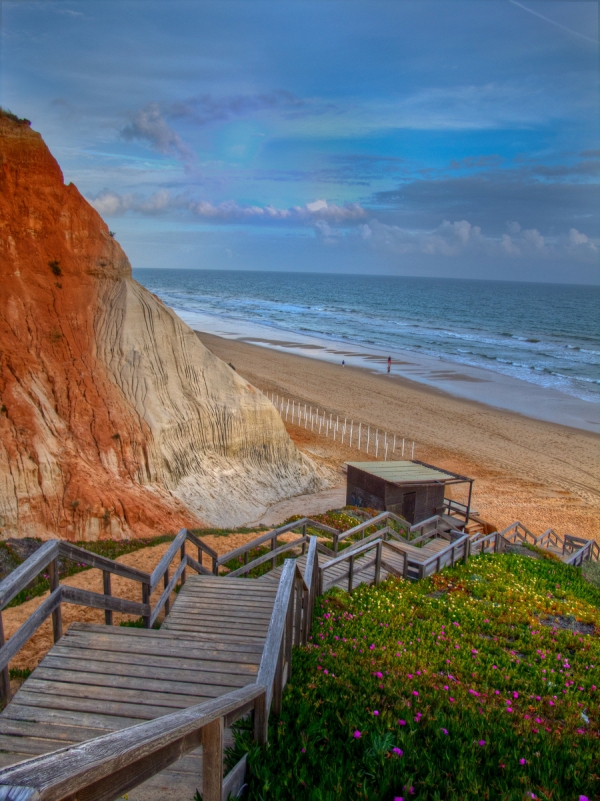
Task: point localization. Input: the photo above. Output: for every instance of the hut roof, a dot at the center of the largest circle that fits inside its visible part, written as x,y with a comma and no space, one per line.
408,472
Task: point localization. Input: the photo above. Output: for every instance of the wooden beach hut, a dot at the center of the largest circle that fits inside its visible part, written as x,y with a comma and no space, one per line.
414,490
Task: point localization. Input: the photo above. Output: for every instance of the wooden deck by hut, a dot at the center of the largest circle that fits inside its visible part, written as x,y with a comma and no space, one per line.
412,489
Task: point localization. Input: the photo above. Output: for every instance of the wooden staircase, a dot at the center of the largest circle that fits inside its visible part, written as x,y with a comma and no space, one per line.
111,710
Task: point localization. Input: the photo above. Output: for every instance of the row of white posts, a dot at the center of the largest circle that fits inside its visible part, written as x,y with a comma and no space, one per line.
318,420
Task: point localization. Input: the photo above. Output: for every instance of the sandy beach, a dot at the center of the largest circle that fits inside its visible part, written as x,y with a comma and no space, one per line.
543,474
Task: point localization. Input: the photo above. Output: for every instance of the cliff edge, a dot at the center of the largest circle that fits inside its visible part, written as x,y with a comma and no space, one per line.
114,419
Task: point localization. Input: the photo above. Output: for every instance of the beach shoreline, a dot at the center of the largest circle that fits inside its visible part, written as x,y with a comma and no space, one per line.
542,473
467,382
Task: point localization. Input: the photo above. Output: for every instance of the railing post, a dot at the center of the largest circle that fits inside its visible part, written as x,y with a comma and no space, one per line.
278,683
467,550
212,760
5,675
199,555
215,566
378,562
165,585
289,636
405,566
261,720
182,557
273,547
304,531
298,610
350,574
108,615
146,600
335,543
57,614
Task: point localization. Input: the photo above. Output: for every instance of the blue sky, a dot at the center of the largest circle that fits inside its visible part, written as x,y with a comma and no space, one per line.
446,138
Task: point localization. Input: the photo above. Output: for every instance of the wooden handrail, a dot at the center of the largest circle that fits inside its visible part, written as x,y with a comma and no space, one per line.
28,570
350,553
266,557
271,535
272,654
166,559
110,765
311,578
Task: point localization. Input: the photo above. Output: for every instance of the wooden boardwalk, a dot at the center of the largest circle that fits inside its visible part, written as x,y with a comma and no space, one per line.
99,679
111,710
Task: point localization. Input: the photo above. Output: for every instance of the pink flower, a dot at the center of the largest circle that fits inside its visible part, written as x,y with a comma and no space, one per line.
444,731
397,751
415,692
356,734
375,712
522,761
481,743
402,723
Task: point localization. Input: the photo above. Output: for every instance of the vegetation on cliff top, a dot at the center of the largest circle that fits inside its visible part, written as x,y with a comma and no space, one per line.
477,683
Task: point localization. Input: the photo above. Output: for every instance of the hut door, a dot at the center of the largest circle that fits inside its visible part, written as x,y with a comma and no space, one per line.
408,506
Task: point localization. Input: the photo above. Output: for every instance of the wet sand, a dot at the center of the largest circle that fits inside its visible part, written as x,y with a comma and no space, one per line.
544,474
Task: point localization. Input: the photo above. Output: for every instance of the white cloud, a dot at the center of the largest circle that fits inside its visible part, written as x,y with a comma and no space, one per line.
111,204
230,211
577,239
461,237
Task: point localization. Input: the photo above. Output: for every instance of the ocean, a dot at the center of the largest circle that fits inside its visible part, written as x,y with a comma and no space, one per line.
543,334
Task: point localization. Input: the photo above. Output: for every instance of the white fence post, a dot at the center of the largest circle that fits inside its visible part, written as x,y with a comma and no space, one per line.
368,437
412,456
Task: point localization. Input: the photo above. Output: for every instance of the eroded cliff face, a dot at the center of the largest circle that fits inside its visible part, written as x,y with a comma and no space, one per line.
114,419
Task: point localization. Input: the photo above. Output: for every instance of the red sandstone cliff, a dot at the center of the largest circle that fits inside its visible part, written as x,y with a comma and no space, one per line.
114,420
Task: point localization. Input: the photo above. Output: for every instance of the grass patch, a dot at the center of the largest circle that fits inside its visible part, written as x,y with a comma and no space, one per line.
449,688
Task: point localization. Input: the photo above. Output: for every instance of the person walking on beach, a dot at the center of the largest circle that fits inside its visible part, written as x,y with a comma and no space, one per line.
343,363
389,363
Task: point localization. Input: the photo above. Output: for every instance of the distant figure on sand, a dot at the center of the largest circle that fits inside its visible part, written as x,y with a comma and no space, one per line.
343,363
389,363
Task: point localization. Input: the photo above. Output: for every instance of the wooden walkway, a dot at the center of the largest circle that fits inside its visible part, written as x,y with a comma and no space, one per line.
365,566
143,700
99,679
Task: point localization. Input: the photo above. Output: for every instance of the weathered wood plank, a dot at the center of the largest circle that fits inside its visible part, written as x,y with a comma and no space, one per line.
149,686
78,554
69,734
77,688
194,675
68,703
47,716
75,595
112,660
211,652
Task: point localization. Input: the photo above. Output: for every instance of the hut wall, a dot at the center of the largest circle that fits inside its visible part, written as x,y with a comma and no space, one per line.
364,489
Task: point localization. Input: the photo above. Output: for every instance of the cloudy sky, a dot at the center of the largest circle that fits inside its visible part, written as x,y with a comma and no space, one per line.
445,137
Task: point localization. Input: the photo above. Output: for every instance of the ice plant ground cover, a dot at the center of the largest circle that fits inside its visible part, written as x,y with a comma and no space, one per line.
479,683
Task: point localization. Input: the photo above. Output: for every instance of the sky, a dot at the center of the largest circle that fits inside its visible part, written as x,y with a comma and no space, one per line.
449,138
